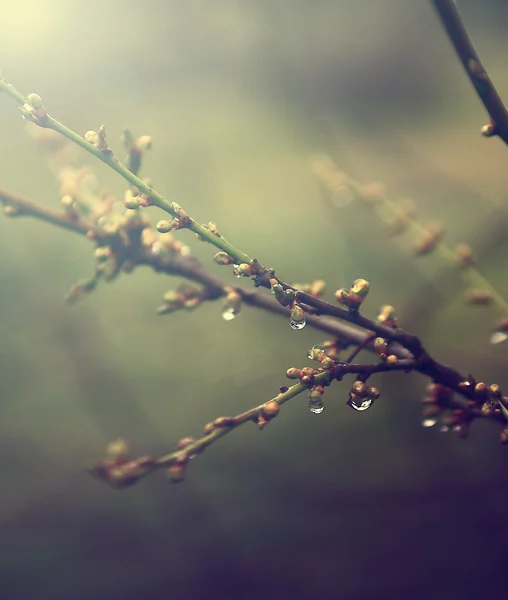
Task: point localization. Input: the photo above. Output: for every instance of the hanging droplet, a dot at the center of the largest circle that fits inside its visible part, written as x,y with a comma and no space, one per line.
236,271
360,404
315,351
498,336
297,325
429,422
297,318
316,406
229,313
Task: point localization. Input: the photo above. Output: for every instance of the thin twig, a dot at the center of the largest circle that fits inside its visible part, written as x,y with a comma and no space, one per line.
482,83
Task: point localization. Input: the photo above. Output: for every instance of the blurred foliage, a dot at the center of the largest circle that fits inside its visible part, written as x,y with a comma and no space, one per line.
237,95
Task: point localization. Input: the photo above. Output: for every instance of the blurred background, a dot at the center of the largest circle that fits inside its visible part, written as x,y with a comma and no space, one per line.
238,96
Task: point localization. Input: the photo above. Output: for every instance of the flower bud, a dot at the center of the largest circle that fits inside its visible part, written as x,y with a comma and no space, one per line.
222,258
164,226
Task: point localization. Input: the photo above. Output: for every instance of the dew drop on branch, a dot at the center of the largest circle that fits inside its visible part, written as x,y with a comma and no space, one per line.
316,406
361,404
297,325
314,352
229,313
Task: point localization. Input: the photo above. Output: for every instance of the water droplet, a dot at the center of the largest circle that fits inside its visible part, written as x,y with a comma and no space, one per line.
297,325
429,422
457,428
316,406
235,271
444,429
229,313
314,351
360,404
498,336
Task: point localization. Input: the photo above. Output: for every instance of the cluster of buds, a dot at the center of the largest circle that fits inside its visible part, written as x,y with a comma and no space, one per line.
186,296
320,354
305,375
492,400
33,110
429,240
118,470
361,395
285,297
381,347
353,297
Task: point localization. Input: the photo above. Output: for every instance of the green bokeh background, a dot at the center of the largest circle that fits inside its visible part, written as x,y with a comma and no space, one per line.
237,96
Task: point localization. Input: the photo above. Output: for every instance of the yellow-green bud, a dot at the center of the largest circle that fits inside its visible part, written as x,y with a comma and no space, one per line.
92,136
164,226
34,100
360,287
222,258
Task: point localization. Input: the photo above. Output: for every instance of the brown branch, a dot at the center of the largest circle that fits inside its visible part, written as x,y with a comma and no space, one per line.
459,37
17,206
403,344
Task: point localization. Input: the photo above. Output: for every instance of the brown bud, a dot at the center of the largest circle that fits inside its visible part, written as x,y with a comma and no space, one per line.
176,473
495,390
271,409
293,373
464,256
478,296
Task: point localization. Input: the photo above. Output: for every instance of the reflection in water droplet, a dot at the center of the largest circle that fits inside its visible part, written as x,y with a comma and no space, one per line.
297,324
235,271
229,313
444,429
457,428
314,351
429,422
498,336
316,406
360,404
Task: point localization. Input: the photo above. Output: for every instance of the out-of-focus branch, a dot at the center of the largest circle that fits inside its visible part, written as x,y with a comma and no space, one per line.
459,37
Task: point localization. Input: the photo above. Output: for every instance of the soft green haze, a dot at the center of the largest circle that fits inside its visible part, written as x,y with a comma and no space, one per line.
237,95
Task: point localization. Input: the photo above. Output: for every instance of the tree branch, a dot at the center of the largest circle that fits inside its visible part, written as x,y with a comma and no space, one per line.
482,83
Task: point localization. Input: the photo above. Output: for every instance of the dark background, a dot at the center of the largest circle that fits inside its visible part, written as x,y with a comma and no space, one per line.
237,96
